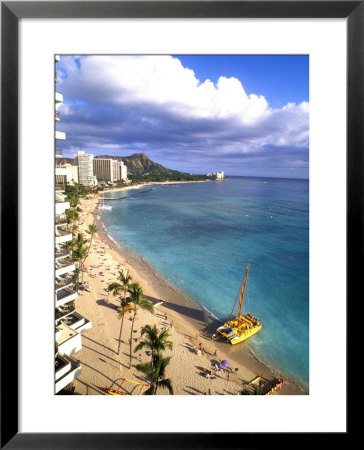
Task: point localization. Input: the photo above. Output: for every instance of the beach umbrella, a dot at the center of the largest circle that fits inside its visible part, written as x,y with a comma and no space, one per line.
224,363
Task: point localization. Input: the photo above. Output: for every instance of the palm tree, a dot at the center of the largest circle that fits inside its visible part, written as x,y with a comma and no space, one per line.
75,278
154,341
74,228
92,230
72,216
123,286
155,373
79,252
137,301
73,199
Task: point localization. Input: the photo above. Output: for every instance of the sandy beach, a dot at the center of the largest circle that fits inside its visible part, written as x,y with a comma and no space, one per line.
105,360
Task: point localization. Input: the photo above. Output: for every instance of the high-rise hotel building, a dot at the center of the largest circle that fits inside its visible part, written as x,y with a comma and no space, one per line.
68,323
107,169
84,161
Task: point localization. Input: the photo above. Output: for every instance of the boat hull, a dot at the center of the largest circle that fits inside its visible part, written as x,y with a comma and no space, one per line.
240,329
115,392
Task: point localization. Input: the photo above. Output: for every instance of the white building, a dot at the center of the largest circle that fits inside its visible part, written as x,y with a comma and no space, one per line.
217,175
75,174
84,161
69,324
64,174
123,171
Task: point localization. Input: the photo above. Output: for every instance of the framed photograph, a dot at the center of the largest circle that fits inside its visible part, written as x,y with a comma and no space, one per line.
179,150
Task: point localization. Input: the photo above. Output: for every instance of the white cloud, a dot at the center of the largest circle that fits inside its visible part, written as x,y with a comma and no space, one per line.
164,82
138,99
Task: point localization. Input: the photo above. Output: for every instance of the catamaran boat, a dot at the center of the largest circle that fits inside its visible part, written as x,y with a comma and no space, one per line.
243,326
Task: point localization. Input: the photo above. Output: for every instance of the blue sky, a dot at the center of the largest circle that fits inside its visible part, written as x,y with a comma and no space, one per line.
280,78
246,115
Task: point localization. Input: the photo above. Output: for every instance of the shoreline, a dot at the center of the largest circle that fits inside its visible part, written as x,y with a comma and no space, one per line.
147,183
204,325
190,320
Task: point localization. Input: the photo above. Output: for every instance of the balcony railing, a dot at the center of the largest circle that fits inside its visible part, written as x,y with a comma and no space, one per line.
62,232
68,373
61,263
61,219
64,266
58,97
64,296
60,187
64,293
63,252
63,311
60,135
64,281
63,236
60,197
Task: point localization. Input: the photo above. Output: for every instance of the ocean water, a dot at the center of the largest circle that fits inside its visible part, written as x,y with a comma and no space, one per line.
201,237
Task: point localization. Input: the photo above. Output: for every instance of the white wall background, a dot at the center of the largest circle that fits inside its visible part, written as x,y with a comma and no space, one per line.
325,42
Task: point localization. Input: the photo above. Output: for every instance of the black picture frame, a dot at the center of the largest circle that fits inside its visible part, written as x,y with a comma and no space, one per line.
11,13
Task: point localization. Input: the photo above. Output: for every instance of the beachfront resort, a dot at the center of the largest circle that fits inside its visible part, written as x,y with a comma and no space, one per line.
120,328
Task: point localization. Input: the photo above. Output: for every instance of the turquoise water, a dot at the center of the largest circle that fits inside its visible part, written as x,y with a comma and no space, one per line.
201,237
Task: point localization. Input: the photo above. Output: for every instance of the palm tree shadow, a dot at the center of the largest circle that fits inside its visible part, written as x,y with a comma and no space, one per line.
141,378
95,388
189,347
105,356
229,393
98,343
194,389
95,370
128,355
190,393
102,302
188,311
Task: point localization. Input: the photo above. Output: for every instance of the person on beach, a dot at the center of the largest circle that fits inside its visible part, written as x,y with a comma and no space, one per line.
140,357
215,353
165,316
202,351
213,337
228,376
236,370
209,391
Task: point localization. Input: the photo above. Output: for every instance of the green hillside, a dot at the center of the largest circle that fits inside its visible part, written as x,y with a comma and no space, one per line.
140,167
